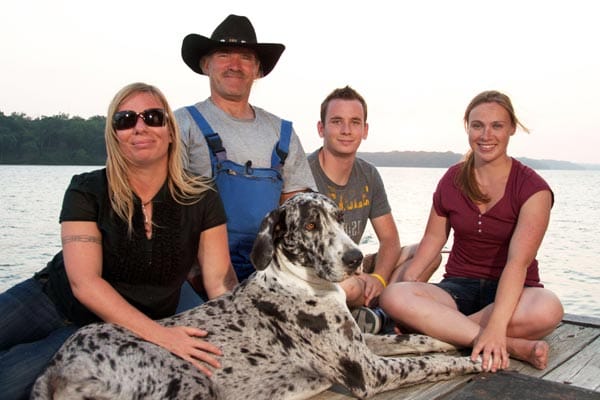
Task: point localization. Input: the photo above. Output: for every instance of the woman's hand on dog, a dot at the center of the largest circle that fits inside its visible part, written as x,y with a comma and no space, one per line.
186,342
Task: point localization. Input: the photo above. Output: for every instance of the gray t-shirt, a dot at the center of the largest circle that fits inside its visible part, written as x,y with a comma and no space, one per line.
362,198
244,140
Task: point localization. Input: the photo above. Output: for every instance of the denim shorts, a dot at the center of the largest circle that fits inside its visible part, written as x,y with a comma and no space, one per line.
470,295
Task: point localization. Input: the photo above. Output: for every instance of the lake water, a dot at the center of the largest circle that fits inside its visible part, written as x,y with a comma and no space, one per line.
31,197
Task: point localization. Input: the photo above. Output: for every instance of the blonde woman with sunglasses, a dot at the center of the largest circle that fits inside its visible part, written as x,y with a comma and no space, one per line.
130,234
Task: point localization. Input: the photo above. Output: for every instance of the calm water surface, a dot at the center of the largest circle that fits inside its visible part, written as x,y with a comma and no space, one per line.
31,197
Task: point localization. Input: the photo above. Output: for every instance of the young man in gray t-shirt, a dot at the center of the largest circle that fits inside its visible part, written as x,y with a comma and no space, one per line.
357,188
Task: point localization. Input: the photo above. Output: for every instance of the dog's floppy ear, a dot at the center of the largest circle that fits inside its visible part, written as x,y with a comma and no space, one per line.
264,247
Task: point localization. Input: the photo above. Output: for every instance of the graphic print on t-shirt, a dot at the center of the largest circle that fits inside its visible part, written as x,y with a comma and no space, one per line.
353,204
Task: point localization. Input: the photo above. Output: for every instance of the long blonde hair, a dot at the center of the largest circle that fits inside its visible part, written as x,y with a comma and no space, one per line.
465,179
183,187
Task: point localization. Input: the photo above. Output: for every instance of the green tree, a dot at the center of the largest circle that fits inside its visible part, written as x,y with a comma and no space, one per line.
58,139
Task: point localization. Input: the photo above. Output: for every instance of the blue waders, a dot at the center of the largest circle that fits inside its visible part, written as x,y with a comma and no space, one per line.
248,193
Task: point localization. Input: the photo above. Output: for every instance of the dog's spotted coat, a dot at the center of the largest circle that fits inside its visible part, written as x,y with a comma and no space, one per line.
286,332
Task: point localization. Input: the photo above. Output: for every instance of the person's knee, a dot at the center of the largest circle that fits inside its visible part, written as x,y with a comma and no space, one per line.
539,313
406,253
396,298
354,289
554,311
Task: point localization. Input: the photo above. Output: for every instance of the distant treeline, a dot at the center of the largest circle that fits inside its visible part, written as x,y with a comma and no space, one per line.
429,159
59,139
417,159
65,140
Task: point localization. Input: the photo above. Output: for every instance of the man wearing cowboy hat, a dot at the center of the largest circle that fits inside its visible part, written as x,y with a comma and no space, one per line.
245,139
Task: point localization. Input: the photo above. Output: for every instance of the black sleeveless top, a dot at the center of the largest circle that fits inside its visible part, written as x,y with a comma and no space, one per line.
148,273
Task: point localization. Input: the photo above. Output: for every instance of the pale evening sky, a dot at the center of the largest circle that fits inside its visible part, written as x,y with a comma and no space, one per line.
417,63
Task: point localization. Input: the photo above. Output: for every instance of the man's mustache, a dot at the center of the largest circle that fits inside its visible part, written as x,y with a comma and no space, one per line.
234,74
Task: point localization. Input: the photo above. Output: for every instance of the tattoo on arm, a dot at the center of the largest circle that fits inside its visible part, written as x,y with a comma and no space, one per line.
81,238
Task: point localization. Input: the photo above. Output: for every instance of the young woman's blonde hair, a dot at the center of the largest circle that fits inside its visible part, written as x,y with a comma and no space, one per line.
466,177
183,187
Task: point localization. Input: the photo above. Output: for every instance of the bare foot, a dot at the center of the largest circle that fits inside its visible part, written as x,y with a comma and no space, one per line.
538,357
534,352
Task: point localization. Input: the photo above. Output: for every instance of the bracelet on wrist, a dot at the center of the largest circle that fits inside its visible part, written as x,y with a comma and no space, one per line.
379,278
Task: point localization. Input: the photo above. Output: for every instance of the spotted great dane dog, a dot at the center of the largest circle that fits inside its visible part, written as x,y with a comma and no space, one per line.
286,332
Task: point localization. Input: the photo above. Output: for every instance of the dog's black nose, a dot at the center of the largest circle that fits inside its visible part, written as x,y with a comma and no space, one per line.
352,258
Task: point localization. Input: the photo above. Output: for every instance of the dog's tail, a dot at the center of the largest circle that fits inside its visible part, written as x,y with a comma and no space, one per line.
52,386
43,389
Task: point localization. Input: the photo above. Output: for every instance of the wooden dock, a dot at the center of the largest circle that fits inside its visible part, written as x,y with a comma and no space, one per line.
573,372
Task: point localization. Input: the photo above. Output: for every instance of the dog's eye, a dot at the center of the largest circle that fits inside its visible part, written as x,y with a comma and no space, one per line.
310,226
340,217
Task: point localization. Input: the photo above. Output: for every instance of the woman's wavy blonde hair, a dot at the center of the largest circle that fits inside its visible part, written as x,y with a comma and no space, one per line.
183,187
465,179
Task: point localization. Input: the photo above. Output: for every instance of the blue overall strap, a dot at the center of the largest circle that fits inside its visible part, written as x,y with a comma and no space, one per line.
217,151
281,150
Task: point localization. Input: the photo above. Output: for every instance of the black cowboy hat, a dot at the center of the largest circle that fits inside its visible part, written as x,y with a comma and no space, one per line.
234,31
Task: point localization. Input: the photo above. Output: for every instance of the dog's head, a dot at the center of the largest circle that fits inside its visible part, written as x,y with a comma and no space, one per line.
307,230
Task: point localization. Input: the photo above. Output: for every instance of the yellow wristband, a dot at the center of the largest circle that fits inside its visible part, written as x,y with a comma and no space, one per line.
379,278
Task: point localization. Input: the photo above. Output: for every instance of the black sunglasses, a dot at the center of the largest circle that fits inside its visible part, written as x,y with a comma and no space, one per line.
127,119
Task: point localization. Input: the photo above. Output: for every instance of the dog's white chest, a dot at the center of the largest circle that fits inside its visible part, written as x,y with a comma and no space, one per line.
298,279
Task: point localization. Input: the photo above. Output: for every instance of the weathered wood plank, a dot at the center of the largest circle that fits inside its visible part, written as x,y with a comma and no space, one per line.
566,341
425,391
582,370
512,385
582,320
331,395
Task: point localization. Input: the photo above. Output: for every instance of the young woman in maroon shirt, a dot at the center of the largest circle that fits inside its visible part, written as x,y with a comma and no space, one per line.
491,298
